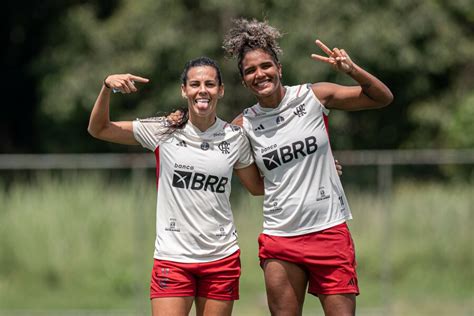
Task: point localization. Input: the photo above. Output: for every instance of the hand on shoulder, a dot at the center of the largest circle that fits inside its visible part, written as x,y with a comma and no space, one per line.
238,120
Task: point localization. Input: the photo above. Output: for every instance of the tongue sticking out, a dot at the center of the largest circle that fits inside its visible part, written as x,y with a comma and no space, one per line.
202,104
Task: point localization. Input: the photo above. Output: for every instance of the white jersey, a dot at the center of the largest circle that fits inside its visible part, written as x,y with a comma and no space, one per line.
194,221
290,143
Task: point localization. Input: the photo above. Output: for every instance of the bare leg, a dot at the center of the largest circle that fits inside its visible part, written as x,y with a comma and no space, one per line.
210,307
338,304
171,306
286,286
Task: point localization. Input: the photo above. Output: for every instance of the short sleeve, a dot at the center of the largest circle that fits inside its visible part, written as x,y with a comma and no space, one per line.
245,153
150,133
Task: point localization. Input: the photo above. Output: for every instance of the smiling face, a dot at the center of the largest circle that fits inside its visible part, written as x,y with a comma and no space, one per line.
261,74
202,90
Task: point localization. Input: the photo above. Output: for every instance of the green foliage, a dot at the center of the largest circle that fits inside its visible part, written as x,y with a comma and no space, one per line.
461,127
423,50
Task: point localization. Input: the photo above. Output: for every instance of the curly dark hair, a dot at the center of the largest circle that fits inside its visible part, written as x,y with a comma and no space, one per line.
245,36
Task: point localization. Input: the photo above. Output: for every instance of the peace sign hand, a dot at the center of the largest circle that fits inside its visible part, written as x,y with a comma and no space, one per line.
338,58
124,83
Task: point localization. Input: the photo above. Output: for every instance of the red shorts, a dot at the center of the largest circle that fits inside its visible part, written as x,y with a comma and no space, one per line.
217,280
327,256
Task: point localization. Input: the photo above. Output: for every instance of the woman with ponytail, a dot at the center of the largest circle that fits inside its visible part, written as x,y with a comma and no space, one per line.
196,255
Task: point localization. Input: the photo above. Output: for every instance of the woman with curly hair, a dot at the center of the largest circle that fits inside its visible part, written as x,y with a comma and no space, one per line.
305,240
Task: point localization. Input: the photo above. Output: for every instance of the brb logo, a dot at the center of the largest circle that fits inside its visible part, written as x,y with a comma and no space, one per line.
199,181
285,154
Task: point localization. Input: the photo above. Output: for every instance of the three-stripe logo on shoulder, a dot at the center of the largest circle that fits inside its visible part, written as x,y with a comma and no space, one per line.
259,128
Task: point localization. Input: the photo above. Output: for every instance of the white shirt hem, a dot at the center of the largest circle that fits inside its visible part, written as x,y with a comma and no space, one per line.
182,259
307,230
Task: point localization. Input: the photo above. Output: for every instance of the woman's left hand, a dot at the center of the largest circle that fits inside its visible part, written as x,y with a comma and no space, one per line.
338,58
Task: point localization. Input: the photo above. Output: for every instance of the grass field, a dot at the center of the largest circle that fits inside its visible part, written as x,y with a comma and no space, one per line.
84,242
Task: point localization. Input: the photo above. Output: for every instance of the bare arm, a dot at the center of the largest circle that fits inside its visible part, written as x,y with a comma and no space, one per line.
251,179
250,176
371,93
100,125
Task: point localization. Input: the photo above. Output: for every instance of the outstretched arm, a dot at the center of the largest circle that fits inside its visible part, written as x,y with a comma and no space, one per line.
100,125
371,93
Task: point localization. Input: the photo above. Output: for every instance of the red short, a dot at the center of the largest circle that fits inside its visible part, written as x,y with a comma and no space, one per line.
327,256
217,280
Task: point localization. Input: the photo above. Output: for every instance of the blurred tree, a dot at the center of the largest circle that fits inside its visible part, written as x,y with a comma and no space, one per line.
25,27
150,38
421,49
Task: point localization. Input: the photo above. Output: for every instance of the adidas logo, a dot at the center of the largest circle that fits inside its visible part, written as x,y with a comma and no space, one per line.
259,128
181,144
351,282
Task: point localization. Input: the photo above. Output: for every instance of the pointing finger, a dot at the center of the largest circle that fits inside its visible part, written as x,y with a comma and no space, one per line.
139,79
324,47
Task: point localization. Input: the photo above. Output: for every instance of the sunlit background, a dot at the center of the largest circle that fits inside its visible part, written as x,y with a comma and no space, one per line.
77,215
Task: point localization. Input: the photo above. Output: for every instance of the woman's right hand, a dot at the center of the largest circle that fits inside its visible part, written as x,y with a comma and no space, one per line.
338,167
125,83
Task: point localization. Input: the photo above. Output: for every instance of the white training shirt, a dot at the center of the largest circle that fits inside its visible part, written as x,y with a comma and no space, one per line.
194,221
303,192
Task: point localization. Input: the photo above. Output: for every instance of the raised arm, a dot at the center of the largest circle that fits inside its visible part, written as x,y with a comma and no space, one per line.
100,125
371,93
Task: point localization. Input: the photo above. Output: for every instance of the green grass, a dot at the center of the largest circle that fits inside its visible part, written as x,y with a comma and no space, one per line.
85,241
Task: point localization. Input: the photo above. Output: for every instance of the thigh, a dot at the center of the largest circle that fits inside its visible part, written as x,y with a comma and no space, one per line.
338,304
210,307
285,283
219,280
171,306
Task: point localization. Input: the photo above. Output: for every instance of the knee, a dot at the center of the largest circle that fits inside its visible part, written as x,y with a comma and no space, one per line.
284,307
